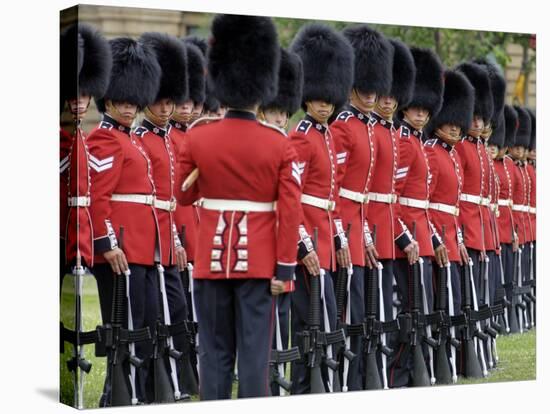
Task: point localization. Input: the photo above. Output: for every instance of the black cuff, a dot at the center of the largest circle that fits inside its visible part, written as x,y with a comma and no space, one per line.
285,272
435,241
102,244
403,241
302,250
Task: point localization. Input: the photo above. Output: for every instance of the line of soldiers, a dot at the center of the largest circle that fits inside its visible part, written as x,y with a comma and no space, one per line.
389,236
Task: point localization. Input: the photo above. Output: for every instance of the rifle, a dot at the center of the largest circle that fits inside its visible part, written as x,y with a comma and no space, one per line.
78,364
446,326
188,373
472,368
519,289
511,287
280,356
371,328
314,341
342,292
119,341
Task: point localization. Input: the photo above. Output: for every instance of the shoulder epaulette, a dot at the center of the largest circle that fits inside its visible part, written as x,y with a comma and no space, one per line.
430,142
140,131
106,125
345,116
303,126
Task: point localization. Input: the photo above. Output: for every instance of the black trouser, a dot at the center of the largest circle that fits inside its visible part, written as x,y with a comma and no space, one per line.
300,304
283,307
234,316
401,366
144,290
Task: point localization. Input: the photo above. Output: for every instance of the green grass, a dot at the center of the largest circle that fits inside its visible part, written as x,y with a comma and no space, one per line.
517,353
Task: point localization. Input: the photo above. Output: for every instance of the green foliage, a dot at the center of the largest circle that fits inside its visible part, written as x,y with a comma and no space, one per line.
452,45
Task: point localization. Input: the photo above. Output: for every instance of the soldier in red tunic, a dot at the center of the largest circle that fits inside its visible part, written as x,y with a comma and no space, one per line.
521,192
122,194
447,178
474,200
504,169
83,76
414,179
354,142
324,91
277,112
154,135
242,243
530,167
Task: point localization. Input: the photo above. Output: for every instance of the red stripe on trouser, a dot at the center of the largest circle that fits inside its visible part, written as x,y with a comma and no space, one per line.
392,370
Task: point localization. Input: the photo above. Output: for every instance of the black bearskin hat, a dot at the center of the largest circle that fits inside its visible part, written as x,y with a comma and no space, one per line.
85,62
458,102
404,73
172,57
428,83
327,59
243,60
533,141
135,77
201,43
523,133
291,83
510,125
373,59
479,78
498,88
499,132
196,68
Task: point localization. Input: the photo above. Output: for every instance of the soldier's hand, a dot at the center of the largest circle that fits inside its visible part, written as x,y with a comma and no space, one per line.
277,287
311,262
482,256
463,254
117,259
371,255
515,245
441,255
343,257
412,252
181,258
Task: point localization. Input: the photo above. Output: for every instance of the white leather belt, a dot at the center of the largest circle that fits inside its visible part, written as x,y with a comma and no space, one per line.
167,205
475,199
413,202
383,198
520,207
82,201
533,210
147,199
493,207
354,196
445,208
505,202
237,205
321,203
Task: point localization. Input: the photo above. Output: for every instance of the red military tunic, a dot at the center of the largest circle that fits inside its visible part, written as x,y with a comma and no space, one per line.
445,188
354,143
75,197
241,159
161,151
65,144
471,151
532,175
121,167
184,215
504,169
494,187
383,214
314,145
520,198
413,186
